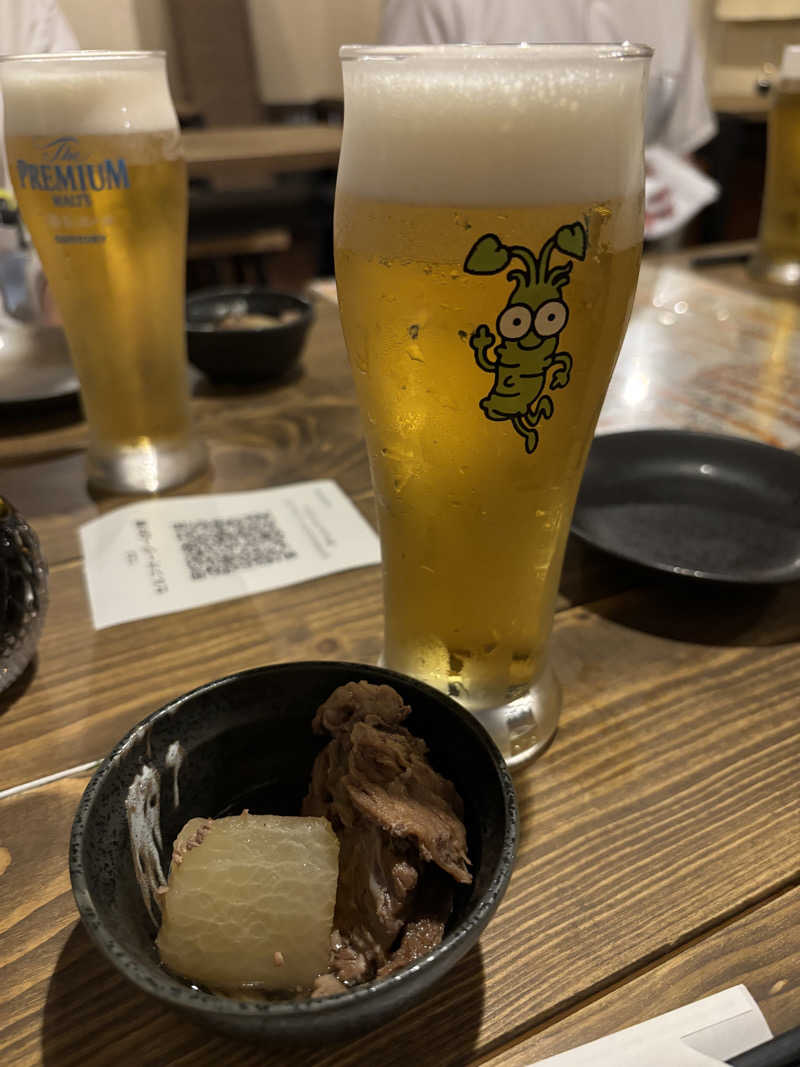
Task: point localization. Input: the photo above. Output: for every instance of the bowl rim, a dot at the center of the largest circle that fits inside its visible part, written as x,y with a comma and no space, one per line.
166,988
301,303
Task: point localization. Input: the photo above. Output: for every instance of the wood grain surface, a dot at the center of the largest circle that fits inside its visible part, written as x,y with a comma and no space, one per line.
68,717
662,810
660,832
764,944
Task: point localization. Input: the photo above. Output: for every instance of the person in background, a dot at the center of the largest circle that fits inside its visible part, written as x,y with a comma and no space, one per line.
32,26
679,119
27,27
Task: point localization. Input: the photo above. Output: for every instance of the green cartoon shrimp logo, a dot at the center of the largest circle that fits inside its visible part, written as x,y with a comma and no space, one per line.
529,327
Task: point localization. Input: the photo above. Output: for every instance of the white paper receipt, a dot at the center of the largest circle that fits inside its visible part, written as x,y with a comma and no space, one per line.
159,556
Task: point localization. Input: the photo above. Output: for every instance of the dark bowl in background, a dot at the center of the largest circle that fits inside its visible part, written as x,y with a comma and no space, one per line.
247,741
250,354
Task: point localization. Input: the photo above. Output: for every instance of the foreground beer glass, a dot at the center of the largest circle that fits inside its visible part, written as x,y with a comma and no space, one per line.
488,230
94,153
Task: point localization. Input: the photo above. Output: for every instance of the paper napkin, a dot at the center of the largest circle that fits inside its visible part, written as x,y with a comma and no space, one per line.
705,1033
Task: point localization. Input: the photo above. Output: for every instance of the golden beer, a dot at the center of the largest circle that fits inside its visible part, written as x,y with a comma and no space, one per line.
482,337
106,208
473,530
778,255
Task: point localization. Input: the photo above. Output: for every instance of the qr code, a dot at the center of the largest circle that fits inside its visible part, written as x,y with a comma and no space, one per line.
224,546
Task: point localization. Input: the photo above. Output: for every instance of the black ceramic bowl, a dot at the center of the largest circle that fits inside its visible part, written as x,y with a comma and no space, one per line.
250,353
247,741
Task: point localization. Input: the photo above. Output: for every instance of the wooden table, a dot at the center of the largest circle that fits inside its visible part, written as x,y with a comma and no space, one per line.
265,148
750,107
660,834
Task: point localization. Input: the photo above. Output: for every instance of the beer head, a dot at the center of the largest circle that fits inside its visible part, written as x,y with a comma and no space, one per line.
513,124
86,92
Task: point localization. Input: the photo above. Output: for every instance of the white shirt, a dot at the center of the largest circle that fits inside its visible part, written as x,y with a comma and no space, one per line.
28,26
31,26
34,26
678,115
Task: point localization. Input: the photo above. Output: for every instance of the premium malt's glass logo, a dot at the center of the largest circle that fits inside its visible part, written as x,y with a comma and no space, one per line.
526,363
64,170
63,150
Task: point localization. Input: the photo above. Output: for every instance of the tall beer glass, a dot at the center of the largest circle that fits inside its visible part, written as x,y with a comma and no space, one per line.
94,153
777,257
488,230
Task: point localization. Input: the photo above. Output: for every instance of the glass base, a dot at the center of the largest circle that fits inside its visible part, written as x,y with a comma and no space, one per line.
523,728
780,271
150,468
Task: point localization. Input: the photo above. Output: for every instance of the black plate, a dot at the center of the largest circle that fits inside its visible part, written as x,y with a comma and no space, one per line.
700,505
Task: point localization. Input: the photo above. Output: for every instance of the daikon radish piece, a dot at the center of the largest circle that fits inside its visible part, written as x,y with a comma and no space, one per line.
249,902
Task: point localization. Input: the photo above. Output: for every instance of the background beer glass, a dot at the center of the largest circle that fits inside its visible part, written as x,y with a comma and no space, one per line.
94,153
777,257
488,230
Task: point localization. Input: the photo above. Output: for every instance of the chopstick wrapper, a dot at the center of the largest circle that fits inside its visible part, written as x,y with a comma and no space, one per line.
154,557
707,1032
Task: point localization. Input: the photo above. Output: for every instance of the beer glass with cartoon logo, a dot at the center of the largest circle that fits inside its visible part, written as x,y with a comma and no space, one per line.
488,231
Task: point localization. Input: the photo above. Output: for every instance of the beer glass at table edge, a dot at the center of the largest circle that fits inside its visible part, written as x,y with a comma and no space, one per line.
94,153
777,256
487,238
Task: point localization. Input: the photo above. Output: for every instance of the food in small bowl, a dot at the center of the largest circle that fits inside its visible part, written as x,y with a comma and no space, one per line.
245,334
356,887
248,908
242,754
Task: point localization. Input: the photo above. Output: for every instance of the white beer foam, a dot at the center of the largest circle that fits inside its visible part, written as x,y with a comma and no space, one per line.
91,94
516,126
